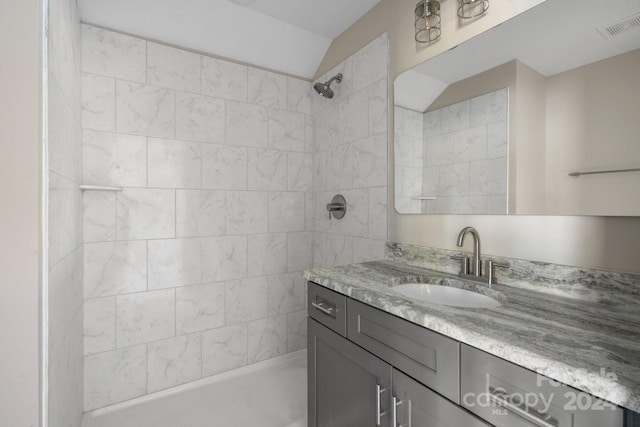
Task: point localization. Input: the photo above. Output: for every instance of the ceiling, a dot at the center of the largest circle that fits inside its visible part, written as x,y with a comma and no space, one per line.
553,37
290,36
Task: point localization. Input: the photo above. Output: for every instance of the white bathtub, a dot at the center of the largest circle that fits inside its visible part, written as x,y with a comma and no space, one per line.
267,394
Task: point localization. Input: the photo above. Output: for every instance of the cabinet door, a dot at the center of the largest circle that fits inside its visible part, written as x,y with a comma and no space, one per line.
348,386
418,406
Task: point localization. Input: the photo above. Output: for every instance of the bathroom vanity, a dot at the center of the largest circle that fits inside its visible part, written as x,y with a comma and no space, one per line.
378,358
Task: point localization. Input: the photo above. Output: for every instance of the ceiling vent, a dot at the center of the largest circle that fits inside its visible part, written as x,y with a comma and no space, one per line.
617,28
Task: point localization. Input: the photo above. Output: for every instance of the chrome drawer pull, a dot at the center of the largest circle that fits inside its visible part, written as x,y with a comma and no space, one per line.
326,310
503,400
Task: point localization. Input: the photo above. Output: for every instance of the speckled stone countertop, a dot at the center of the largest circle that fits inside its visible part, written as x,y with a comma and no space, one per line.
593,346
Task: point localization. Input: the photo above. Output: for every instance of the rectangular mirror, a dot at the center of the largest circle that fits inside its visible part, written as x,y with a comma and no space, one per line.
537,116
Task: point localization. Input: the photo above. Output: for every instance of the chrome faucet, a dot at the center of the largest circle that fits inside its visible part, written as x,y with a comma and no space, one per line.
476,266
473,270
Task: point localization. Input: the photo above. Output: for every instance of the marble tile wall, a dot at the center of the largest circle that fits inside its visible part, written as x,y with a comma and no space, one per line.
350,158
408,159
465,156
65,222
195,267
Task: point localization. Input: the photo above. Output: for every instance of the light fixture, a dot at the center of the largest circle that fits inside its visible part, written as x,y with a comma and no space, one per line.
427,21
468,9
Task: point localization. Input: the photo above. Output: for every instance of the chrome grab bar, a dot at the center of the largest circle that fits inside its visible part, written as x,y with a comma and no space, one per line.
577,174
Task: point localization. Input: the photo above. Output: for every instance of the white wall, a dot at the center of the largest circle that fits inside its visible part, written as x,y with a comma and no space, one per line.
350,158
195,267
20,210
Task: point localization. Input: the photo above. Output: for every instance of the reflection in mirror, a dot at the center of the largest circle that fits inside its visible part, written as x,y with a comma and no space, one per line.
496,125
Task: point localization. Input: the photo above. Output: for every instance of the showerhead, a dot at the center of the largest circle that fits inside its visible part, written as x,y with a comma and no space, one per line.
324,89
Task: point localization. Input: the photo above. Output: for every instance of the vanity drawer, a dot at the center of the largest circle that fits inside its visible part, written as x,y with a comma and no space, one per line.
508,395
328,307
430,358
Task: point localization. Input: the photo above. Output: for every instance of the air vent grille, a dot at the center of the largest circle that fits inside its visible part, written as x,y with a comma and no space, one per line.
617,28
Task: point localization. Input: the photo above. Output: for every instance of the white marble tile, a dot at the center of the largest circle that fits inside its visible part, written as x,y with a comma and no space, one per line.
173,68
354,117
327,128
439,150
145,317
224,258
339,250
299,171
340,167
145,110
174,361
145,214
365,250
224,79
174,164
378,213
431,123
114,159
319,180
308,211
411,181
488,108
370,63
497,205
99,224
285,293
224,349
200,307
200,213
267,169
489,177
299,95
356,220
174,262
299,251
246,300
247,125
296,331
98,103
224,167
65,299
99,325
497,139
200,118
114,376
286,130
454,180
319,249
286,211
267,88
65,136
370,162
247,212
309,134
463,205
267,338
470,144
378,107
113,268
431,181
321,220
455,117
267,254
112,54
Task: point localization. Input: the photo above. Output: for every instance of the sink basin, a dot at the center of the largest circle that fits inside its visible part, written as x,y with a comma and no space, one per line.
446,295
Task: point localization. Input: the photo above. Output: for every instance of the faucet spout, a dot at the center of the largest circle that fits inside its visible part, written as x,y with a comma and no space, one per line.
476,264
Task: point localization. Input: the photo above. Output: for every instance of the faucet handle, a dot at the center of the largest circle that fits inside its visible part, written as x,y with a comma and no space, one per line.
491,271
464,263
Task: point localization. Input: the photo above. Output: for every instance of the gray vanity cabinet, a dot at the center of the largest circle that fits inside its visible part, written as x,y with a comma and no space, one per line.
348,386
418,406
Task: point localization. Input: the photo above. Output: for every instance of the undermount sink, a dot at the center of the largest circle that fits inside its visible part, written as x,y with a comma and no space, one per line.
446,295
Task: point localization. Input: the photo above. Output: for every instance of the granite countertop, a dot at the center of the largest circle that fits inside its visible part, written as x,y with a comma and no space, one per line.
592,346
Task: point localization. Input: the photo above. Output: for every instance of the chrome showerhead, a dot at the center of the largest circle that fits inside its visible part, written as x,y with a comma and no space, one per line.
324,89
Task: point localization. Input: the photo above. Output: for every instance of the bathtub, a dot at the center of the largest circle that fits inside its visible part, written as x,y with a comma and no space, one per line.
267,394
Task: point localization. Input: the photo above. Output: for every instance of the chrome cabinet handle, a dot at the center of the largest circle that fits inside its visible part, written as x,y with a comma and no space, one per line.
320,306
379,391
503,400
394,412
